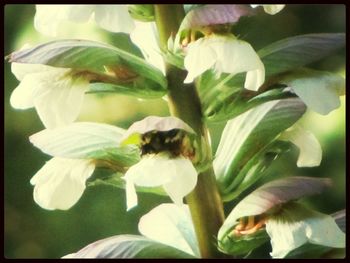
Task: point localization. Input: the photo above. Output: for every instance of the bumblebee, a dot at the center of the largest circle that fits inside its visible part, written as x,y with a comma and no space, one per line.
174,141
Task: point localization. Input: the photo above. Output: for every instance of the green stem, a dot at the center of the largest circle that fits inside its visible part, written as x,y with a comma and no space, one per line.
204,201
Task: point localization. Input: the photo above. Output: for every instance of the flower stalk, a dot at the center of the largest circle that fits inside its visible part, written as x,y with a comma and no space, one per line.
204,201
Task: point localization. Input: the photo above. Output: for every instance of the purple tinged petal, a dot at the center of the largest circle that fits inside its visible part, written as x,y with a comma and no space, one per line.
214,15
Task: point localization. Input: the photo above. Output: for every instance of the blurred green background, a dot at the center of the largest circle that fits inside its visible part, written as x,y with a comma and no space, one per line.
32,232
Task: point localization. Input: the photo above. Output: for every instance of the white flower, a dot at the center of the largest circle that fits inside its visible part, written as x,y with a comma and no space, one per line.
171,225
145,36
300,225
225,54
177,176
319,90
76,148
113,18
56,94
310,151
61,182
270,9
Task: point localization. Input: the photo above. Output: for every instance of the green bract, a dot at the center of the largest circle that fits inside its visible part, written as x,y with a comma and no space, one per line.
144,13
128,246
211,15
99,63
85,140
249,136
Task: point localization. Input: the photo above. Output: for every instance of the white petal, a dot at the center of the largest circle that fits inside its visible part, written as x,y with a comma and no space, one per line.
57,96
199,58
310,151
292,231
145,36
184,179
177,176
48,17
69,255
61,182
236,56
227,54
22,97
270,9
322,94
255,78
20,70
171,225
151,171
114,18
273,9
79,13
131,196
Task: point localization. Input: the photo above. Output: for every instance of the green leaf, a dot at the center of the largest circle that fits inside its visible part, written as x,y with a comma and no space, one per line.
271,195
319,90
310,251
247,135
141,88
96,58
144,13
256,167
128,246
296,225
85,140
225,98
293,52
242,245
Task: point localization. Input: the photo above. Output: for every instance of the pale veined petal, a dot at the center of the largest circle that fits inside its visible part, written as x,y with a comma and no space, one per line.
58,97
114,18
199,58
61,182
48,17
184,179
171,225
310,151
145,36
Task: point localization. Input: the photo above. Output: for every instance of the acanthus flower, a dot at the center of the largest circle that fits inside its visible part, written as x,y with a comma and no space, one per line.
225,54
56,93
166,158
